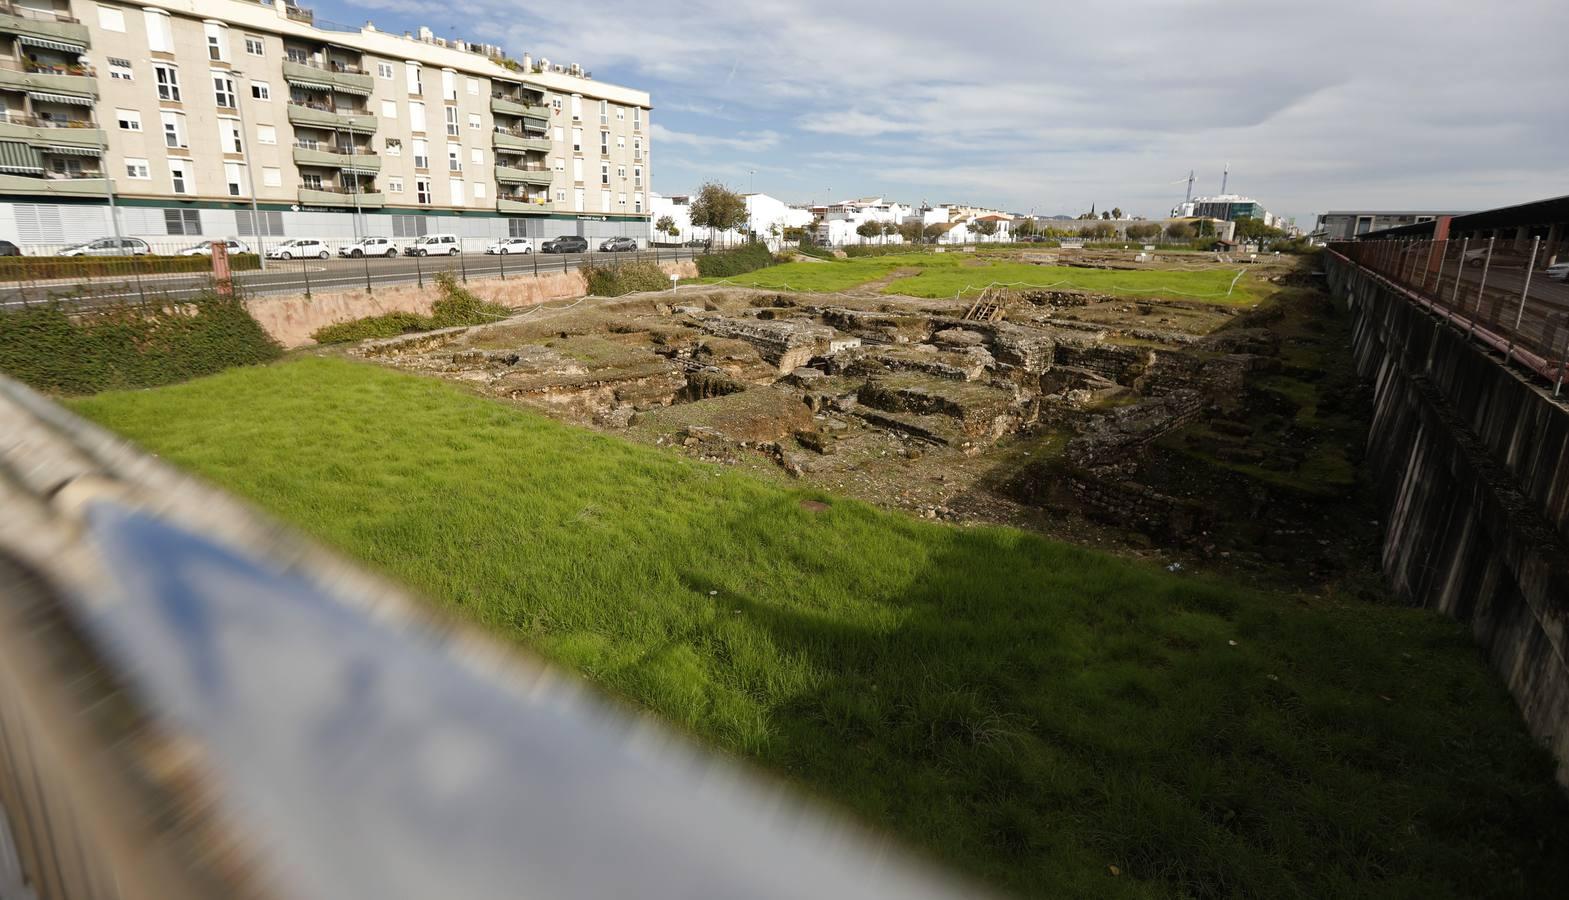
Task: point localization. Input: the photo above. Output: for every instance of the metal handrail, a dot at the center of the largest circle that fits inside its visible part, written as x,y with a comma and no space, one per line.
42,15
37,122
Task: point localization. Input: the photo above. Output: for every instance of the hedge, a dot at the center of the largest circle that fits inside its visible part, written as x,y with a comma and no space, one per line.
38,268
457,306
745,258
607,281
129,346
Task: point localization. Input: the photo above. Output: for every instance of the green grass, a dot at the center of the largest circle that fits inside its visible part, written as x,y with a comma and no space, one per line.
1030,712
946,275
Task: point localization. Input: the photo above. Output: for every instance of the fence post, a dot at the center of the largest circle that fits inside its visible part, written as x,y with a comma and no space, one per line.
463,264
1530,269
365,258
1454,297
534,255
306,271
1438,280
501,262
419,275
1482,287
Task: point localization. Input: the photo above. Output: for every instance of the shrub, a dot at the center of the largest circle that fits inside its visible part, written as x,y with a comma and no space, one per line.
457,306
129,346
814,250
37,268
607,281
745,258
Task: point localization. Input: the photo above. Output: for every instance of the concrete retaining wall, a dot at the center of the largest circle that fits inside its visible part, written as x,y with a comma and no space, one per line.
291,320
1471,463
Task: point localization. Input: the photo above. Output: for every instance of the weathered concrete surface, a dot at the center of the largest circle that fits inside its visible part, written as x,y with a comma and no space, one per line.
291,320
1471,462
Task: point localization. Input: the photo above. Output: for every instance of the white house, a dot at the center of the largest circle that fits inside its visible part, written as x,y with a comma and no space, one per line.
840,221
768,217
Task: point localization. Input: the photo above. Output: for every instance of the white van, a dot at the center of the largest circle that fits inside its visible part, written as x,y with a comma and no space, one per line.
436,245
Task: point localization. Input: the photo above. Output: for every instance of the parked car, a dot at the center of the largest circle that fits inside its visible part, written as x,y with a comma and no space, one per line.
617,245
1501,257
9,249
205,248
510,245
567,243
299,248
1556,271
698,242
371,246
436,245
109,247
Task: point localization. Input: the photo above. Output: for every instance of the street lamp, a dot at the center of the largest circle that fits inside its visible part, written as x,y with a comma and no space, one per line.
258,231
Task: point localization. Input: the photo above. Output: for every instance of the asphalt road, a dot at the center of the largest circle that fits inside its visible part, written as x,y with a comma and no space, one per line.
299,276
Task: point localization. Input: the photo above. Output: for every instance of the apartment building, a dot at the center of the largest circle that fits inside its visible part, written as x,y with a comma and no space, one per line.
189,114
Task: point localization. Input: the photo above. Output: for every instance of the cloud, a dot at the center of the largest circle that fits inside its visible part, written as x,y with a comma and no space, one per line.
1014,104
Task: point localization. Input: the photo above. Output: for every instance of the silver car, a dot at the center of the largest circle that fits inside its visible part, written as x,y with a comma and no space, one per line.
109,247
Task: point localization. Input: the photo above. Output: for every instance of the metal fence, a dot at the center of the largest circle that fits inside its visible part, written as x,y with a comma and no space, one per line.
1509,295
181,269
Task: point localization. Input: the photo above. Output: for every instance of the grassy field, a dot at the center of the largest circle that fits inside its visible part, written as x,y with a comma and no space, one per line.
1030,712
947,274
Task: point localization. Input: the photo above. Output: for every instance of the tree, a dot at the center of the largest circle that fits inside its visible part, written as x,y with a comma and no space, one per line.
911,231
719,208
1106,215
1026,228
1143,231
934,231
890,228
1180,231
666,225
869,229
1251,229
985,227
1116,212
1099,231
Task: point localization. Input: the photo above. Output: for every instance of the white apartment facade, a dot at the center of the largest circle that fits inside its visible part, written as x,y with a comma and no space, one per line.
192,112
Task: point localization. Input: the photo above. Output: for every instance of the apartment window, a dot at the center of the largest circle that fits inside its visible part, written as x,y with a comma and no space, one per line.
271,221
479,190
449,84
637,176
453,129
421,154
474,121
473,87
578,196
637,118
182,221
384,71
393,147
621,143
621,114
559,164
604,112
604,201
577,169
272,176
517,228
637,202
234,176
394,185
254,45
604,143
174,130
416,116
409,226
637,148
296,55
604,173
261,90
160,37
168,78
223,90
561,196
119,69
476,156
621,172
621,199
137,169
128,119
454,158
111,19
389,109
311,180
217,42
411,75
577,140
560,135
577,108
266,134
422,190
555,104
229,136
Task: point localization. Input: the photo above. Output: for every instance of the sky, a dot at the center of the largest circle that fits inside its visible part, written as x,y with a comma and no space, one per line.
1049,108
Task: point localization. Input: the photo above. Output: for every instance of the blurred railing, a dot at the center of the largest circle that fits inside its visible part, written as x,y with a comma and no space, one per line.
42,15
1507,294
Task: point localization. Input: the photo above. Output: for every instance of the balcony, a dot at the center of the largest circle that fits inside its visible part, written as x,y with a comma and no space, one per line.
66,81
340,198
315,116
348,79
519,142
509,107
363,162
46,25
511,175
523,205
58,187
46,133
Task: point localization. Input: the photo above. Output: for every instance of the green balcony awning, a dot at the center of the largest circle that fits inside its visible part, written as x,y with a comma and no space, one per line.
19,159
73,151
351,89
47,97
48,44
352,170
310,85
